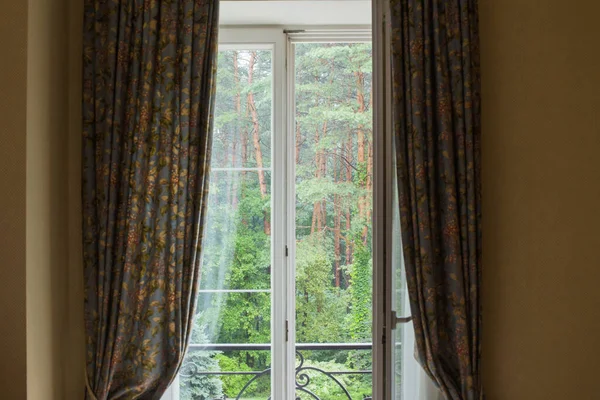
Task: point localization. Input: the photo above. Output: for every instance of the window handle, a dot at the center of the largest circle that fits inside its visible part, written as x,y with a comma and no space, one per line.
399,320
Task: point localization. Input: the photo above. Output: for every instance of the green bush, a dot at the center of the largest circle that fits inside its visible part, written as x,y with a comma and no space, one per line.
200,387
359,386
233,384
193,386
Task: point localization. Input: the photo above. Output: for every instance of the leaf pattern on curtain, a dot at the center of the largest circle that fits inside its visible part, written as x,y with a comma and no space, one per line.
148,89
436,111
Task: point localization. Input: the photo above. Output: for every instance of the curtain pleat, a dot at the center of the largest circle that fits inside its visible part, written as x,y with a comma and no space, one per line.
436,112
148,93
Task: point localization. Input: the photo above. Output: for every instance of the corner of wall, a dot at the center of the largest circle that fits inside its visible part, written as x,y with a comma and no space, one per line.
13,86
54,311
75,353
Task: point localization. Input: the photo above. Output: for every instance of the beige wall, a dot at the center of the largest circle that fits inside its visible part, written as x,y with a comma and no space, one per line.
13,82
541,160
541,91
34,108
47,111
74,335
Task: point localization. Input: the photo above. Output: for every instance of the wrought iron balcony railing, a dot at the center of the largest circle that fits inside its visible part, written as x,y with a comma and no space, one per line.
302,378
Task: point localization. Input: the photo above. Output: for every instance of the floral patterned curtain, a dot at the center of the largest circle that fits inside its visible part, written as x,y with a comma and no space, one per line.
149,81
436,111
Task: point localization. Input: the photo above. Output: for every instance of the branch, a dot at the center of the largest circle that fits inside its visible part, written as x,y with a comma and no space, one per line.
343,159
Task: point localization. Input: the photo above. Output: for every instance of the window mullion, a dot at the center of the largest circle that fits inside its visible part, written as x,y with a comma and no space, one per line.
290,217
279,282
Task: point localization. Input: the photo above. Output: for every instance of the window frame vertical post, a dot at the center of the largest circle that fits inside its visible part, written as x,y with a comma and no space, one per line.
290,70
383,378
275,38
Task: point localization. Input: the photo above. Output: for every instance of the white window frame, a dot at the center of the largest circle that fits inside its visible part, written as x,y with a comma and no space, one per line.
383,359
348,34
273,39
283,245
387,328
269,39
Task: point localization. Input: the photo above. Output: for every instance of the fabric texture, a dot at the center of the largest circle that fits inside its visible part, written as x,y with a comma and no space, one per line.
436,114
148,90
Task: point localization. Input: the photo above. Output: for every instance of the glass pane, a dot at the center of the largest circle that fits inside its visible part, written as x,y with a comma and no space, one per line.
410,382
230,349
243,117
402,338
334,178
235,318
237,241
225,374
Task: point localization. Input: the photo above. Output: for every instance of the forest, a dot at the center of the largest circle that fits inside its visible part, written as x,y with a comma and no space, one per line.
334,178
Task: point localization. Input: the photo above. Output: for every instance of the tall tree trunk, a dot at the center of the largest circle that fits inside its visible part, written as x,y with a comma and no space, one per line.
298,139
236,138
319,219
361,146
256,139
348,211
369,198
337,221
316,216
323,167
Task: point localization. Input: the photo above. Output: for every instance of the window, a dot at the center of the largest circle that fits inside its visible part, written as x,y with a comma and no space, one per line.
284,308
234,327
333,181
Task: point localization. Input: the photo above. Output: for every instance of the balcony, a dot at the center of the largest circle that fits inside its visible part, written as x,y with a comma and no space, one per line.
305,387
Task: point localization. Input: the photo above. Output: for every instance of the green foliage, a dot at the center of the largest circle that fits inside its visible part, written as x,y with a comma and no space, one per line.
361,284
361,292
318,304
327,389
333,272
200,387
233,384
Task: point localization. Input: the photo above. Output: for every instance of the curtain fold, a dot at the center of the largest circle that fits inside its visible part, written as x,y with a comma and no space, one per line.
436,113
149,81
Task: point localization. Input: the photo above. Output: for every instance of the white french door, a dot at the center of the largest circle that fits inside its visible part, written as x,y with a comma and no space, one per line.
273,42
329,81
279,354
287,97
397,374
245,265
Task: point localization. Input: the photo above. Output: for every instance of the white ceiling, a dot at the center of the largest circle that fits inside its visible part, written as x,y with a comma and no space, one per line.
295,12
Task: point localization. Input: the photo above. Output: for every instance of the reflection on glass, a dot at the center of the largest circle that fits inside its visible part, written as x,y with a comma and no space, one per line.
403,339
242,126
236,245
202,378
334,167
234,301
243,311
